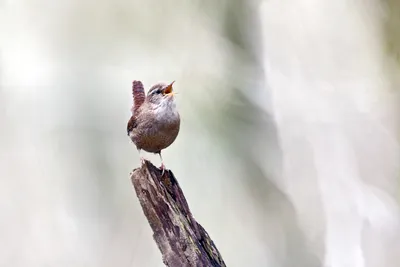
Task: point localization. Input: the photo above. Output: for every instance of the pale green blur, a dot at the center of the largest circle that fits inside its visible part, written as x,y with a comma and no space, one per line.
288,151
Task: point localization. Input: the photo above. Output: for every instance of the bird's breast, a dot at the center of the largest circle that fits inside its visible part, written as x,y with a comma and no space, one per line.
157,129
167,113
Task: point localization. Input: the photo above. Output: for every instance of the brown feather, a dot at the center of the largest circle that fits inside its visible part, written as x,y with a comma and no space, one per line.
149,129
131,124
138,95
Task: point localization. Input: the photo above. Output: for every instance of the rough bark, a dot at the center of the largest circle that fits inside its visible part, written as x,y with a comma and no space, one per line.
181,240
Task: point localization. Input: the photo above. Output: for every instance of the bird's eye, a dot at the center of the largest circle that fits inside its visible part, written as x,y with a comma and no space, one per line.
156,92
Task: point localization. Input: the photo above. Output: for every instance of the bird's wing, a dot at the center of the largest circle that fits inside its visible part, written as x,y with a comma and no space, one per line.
138,95
131,124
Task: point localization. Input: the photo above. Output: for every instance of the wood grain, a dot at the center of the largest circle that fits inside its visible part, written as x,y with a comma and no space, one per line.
180,238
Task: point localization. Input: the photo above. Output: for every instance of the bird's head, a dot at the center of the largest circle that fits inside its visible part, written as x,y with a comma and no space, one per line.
161,94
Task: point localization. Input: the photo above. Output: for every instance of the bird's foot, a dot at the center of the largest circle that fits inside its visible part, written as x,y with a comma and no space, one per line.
142,160
162,167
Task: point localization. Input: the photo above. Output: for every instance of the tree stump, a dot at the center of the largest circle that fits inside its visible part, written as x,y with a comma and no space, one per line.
180,238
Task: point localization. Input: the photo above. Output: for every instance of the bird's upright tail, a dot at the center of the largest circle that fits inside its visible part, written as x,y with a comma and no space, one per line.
138,95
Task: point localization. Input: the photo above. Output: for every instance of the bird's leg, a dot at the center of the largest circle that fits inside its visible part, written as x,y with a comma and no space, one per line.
162,164
142,159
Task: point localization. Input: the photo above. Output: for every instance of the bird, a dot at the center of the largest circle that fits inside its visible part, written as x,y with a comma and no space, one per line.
155,121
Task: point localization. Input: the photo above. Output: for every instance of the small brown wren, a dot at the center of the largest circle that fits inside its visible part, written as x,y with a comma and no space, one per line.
155,122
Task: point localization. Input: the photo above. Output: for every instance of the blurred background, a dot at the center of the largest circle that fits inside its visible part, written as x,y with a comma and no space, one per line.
289,145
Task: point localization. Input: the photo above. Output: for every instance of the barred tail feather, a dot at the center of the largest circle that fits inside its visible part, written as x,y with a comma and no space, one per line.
138,95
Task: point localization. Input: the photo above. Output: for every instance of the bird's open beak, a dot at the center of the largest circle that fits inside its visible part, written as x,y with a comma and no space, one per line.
168,91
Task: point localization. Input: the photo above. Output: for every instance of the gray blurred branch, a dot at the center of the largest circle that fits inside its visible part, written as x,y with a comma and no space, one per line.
181,240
